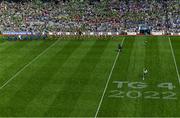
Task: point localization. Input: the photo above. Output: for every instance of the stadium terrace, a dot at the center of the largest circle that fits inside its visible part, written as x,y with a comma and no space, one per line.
105,16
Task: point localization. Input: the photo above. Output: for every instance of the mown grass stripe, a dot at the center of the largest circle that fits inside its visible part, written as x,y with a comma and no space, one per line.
133,73
65,102
119,73
7,94
36,81
107,83
174,58
48,94
16,55
22,69
97,80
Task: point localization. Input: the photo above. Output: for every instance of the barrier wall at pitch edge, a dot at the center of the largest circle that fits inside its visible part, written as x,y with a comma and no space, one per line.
107,33
84,33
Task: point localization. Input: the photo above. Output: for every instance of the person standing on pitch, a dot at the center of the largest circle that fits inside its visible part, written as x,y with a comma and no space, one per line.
119,48
145,71
19,36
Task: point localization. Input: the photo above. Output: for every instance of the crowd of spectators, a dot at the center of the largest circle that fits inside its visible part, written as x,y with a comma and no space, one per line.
113,16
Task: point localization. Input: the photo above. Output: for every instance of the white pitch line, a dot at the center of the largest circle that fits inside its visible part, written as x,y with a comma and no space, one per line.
177,71
22,69
109,77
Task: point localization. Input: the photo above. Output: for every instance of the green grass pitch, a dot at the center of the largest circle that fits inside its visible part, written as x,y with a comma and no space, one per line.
89,78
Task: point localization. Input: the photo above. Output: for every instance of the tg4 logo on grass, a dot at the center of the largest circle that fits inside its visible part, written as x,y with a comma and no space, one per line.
140,90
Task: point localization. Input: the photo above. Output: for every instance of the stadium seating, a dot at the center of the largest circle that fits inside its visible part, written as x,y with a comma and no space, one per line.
113,16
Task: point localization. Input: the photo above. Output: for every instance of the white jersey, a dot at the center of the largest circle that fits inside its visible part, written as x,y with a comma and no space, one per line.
145,71
20,37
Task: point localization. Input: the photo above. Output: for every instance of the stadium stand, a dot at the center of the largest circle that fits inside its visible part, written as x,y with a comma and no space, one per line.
68,16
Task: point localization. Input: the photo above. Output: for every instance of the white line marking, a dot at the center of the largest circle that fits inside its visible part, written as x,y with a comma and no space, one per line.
102,97
177,71
22,69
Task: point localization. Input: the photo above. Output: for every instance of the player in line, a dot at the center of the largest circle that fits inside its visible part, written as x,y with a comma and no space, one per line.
119,48
145,72
20,37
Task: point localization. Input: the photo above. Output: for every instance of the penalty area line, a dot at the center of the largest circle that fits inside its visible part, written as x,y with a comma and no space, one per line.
175,63
22,69
107,83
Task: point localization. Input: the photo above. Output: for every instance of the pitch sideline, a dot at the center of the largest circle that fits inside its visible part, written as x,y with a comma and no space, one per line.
22,69
109,77
175,63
